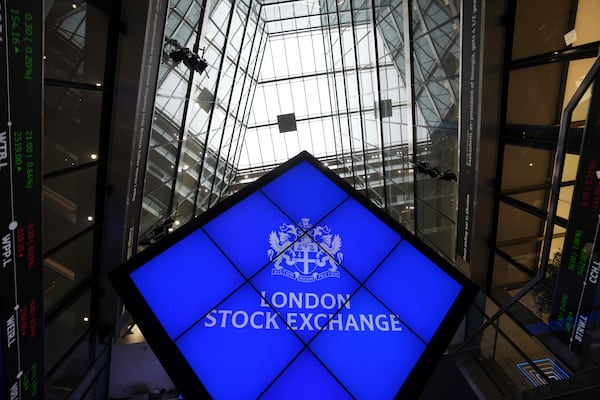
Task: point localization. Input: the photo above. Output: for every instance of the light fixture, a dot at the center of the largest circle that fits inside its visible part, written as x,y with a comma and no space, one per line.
86,319
423,167
531,164
93,156
90,218
98,84
182,54
73,6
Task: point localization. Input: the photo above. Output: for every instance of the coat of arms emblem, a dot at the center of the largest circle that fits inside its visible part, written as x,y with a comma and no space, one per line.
305,253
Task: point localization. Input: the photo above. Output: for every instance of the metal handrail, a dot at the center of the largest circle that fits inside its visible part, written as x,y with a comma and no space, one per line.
553,202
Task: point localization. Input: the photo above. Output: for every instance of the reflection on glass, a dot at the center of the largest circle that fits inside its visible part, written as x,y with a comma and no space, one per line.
71,127
435,228
531,101
66,328
540,29
67,268
75,42
68,202
525,168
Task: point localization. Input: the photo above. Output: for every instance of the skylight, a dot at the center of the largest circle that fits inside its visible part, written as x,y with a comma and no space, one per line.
319,63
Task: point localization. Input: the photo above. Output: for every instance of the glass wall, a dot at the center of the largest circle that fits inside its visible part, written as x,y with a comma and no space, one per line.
79,39
435,69
200,117
552,49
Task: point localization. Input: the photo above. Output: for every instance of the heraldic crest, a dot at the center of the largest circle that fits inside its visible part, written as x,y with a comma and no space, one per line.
305,253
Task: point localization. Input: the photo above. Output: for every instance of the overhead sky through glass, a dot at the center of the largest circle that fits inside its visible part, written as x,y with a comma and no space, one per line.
325,76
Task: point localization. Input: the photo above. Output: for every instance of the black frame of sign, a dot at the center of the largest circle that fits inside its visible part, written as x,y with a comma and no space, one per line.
174,362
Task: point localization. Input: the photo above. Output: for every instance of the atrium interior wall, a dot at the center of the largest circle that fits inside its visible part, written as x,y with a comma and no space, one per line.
375,88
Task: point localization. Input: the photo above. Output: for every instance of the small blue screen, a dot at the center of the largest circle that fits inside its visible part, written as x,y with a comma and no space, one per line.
298,291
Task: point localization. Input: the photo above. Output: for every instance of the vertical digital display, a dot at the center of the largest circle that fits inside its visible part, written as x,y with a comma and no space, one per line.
295,288
21,27
574,315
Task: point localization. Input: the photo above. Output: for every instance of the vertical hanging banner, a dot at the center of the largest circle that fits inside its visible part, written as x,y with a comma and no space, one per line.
155,26
575,308
21,28
469,123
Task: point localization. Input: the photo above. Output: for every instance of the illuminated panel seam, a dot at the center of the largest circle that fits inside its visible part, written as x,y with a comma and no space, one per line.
296,283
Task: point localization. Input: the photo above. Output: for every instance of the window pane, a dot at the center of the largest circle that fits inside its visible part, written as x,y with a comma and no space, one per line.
75,42
71,127
69,203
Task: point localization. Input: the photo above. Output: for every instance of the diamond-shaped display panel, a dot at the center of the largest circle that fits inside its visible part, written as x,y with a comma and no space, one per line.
299,290
368,348
435,290
306,286
304,192
365,240
179,276
236,231
306,378
240,347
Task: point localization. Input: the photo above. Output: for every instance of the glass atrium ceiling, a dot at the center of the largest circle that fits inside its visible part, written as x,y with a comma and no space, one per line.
326,76
311,68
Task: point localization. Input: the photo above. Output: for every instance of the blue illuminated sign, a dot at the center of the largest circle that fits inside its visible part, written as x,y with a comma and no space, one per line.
295,288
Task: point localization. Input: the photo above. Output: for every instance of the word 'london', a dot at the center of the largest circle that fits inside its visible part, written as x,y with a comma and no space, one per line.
303,321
